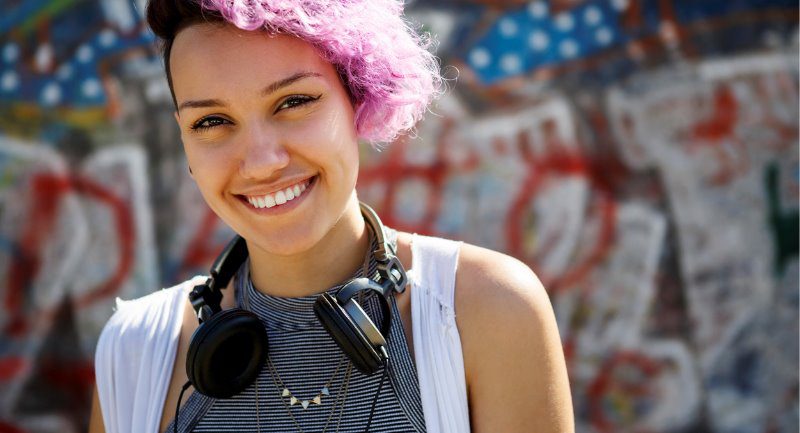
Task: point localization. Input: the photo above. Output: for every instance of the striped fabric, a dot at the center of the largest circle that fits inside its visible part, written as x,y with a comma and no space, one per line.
305,358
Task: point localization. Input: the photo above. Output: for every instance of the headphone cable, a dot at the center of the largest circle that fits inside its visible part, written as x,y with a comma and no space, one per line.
385,356
178,406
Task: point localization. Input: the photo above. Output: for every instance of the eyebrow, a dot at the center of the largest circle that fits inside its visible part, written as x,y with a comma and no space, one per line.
266,91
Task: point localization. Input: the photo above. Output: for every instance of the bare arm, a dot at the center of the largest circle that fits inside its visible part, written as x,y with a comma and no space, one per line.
96,417
515,369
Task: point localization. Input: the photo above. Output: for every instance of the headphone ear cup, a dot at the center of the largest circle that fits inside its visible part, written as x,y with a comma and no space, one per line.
347,335
226,353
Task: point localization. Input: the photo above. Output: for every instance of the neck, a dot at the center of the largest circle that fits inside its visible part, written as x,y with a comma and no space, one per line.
328,263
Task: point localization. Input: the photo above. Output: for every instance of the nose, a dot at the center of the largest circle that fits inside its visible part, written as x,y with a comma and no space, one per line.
263,153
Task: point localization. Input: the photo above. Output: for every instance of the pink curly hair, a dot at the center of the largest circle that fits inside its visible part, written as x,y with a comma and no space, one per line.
385,64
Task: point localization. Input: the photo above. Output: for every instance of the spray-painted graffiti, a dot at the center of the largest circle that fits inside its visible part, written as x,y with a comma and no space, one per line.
74,237
654,192
723,147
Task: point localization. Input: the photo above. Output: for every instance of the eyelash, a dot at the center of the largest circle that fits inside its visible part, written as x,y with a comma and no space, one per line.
294,101
201,125
298,100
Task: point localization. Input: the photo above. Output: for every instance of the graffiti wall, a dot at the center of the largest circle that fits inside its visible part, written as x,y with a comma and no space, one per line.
640,155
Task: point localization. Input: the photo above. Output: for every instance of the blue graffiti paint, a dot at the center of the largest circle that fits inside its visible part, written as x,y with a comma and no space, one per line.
532,37
74,80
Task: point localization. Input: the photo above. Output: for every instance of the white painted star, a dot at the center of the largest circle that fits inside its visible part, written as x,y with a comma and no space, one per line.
85,54
603,35
568,48
511,64
480,58
565,22
91,88
508,27
537,9
619,5
10,52
107,38
592,16
9,81
51,94
538,40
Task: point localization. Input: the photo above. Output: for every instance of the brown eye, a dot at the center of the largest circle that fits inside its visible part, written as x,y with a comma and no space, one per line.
296,101
208,123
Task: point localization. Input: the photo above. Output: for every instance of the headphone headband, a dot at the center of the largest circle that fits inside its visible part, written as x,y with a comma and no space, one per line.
207,296
228,262
391,271
384,249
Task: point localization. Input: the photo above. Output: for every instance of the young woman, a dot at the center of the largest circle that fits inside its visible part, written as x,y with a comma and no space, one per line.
271,99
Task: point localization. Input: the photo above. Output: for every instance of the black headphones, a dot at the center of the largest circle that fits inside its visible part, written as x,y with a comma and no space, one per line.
229,348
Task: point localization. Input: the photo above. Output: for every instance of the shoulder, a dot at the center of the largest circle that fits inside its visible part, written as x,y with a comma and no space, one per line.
480,272
488,281
488,285
511,346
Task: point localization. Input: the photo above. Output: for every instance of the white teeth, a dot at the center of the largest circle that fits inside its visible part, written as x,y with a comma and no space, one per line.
278,198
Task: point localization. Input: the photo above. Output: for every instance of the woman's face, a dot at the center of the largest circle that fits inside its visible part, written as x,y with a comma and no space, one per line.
268,131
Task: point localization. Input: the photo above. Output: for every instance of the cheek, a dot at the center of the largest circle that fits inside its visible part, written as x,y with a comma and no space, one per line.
346,155
208,166
332,139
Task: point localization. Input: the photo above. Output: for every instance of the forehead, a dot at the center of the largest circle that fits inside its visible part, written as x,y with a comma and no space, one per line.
212,54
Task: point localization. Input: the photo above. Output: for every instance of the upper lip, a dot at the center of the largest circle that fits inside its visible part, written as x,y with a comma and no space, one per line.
273,188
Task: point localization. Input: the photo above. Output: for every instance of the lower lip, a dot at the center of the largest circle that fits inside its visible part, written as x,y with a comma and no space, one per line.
281,208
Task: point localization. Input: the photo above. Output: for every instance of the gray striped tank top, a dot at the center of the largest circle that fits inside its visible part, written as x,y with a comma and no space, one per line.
304,359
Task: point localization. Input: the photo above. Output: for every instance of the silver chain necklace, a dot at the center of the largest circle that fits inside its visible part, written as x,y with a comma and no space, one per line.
341,397
293,400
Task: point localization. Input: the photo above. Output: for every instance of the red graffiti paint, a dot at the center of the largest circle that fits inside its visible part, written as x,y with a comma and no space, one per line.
8,428
557,160
723,119
68,375
786,131
47,192
201,251
607,211
123,221
718,132
559,6
607,381
11,367
633,16
394,169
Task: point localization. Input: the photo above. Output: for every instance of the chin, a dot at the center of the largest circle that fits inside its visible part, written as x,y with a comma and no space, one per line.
286,243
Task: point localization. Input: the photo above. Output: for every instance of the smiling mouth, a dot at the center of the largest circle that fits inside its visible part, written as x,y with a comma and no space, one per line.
281,197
